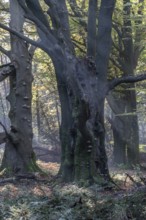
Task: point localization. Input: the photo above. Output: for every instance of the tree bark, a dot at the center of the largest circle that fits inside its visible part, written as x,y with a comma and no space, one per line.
126,141
125,127
82,86
82,128
18,154
38,118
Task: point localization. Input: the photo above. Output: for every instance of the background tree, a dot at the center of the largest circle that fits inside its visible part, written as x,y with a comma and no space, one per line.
45,103
123,100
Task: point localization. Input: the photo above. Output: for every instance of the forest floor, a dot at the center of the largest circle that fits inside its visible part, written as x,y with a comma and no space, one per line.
47,198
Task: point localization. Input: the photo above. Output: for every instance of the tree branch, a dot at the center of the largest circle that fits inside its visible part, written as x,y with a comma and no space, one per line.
125,79
34,8
6,52
5,71
38,20
91,28
27,39
78,13
115,62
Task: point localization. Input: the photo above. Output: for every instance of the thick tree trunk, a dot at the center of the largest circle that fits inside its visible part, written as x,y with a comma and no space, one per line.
82,87
67,151
82,128
84,155
18,155
66,127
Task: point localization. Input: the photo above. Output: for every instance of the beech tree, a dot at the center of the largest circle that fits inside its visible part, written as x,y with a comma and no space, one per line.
18,154
128,48
82,81
79,80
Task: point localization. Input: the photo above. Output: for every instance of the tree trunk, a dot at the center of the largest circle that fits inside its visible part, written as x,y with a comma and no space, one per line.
125,127
82,129
119,151
82,87
132,128
128,137
38,119
19,155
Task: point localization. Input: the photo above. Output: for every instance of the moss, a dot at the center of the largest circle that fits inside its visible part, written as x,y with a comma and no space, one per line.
68,162
33,167
83,163
84,183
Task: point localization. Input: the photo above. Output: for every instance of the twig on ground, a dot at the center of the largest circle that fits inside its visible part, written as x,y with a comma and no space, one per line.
132,180
116,184
143,180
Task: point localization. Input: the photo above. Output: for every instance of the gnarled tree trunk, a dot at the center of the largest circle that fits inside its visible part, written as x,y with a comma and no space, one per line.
82,85
82,128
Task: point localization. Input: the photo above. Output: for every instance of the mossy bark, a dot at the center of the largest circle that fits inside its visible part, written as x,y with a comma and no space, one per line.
19,155
82,131
79,80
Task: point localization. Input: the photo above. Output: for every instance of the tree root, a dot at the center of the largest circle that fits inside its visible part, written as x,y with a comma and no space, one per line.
21,177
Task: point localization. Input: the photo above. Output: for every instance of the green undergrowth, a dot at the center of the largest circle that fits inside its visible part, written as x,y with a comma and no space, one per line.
70,202
50,199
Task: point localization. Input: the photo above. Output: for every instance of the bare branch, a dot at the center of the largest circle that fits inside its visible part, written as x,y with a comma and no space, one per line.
6,52
34,9
115,62
91,28
32,50
77,46
60,21
75,8
28,40
125,79
38,20
78,13
116,28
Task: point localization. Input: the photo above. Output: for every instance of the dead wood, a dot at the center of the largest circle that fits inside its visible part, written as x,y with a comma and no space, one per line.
138,184
20,177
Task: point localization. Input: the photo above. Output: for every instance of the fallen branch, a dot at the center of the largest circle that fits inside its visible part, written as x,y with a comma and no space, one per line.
118,187
132,180
25,176
143,180
8,180
21,177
